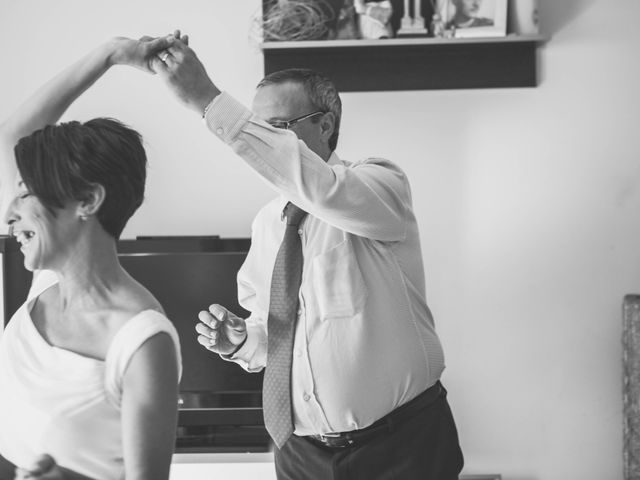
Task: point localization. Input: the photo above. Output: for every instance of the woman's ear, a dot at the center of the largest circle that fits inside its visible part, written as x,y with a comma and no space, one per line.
92,201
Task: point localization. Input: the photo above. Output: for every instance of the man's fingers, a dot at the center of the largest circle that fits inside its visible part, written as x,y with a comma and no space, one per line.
160,43
219,312
203,329
209,319
146,38
185,39
207,342
157,65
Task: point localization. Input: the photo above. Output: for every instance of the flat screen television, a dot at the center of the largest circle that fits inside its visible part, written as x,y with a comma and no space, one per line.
221,403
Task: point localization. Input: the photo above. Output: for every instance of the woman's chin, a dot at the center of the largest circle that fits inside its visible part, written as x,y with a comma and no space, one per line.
29,266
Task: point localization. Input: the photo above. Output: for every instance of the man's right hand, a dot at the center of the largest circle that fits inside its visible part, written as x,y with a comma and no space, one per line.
220,330
185,75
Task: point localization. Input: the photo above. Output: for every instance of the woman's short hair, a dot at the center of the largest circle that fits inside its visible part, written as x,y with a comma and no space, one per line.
64,162
320,90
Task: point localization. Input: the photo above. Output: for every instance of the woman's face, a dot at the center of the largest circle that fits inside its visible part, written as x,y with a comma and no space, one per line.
468,8
46,240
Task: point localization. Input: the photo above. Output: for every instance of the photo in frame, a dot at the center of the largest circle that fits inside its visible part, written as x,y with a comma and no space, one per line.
475,18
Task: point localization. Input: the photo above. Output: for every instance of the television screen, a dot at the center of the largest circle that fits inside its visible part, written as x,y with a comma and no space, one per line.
185,284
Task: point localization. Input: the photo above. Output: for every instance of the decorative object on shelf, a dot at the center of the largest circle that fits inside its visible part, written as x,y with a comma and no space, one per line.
523,17
374,19
631,386
412,22
367,65
346,27
437,26
293,20
475,18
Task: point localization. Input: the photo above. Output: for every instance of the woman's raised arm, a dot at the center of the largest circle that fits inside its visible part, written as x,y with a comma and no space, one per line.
47,104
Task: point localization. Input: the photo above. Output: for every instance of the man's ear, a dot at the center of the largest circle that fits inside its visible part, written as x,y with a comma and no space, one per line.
327,125
92,201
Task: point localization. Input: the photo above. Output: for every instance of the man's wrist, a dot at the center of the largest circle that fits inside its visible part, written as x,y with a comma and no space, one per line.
206,109
239,346
208,99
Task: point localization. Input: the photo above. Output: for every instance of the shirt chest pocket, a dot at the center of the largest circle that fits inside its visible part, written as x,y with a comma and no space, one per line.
337,285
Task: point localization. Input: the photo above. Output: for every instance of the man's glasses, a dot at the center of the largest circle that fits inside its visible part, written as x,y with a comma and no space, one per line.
287,124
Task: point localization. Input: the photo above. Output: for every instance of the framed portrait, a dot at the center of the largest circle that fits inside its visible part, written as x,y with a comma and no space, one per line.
475,18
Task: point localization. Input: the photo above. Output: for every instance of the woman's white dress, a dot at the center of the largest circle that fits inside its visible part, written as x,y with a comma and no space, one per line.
62,403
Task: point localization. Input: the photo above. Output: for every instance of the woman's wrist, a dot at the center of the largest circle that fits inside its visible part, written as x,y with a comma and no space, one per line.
113,51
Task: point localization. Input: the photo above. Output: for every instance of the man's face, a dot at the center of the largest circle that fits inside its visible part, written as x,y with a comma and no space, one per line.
287,101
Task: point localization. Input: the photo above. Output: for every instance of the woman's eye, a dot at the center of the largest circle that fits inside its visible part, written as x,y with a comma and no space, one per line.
22,196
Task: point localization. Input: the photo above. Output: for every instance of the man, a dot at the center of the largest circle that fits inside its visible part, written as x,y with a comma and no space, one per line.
466,15
358,361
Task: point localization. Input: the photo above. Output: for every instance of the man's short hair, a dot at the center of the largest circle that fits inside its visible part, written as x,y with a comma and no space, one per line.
64,162
320,90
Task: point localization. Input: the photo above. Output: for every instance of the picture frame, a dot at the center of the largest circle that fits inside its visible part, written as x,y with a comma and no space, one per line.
474,18
631,385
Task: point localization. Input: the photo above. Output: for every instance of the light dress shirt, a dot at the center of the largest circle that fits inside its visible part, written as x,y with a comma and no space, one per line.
365,341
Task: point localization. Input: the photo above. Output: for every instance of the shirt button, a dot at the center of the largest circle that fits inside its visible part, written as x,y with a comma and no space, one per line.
306,397
300,232
220,131
298,353
300,312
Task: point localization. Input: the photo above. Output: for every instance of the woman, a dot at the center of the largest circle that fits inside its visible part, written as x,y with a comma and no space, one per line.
89,365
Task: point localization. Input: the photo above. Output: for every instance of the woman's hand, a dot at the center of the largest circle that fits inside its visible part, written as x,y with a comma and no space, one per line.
44,467
138,53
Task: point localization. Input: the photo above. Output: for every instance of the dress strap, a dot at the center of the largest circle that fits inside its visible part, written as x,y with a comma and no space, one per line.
126,342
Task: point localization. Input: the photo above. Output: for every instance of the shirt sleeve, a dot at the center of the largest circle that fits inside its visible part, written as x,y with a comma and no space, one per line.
369,199
126,342
252,356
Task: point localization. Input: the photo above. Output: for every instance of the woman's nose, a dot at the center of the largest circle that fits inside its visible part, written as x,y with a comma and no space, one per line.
11,216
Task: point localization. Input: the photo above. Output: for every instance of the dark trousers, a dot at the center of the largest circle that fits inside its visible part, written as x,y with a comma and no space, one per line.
422,447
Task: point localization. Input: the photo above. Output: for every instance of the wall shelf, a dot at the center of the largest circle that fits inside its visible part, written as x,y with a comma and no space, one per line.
414,63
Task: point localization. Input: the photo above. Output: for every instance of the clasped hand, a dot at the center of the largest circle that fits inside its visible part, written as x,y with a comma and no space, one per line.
220,330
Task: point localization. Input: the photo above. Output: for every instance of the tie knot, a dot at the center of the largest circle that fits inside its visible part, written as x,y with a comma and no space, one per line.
294,214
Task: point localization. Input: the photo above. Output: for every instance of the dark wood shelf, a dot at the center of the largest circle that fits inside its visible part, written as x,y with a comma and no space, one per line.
413,63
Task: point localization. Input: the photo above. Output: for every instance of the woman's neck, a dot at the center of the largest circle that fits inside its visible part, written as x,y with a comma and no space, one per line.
89,275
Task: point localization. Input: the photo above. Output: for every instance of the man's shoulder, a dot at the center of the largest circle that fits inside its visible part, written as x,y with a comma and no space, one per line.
271,210
379,161
378,164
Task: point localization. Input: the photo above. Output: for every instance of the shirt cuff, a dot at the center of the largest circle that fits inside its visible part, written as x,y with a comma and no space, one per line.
248,356
226,117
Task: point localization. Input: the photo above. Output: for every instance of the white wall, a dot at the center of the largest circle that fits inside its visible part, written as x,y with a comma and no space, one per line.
528,201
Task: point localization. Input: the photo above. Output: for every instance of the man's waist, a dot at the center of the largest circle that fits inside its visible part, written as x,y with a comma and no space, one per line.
382,425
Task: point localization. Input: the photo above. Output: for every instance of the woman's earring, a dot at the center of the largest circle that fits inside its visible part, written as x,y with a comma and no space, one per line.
83,218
